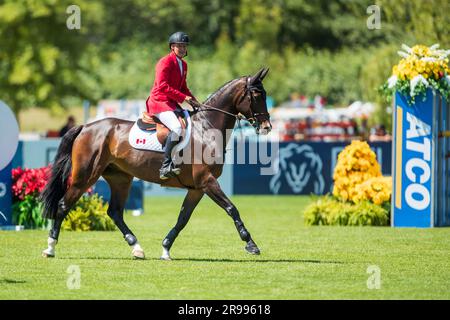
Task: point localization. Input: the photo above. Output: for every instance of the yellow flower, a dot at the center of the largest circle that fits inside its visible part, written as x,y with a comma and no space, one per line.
356,164
413,65
343,194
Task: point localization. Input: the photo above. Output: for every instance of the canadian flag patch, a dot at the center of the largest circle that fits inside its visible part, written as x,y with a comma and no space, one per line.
140,141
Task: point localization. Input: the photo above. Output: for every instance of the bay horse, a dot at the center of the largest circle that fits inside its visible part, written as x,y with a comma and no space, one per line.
101,148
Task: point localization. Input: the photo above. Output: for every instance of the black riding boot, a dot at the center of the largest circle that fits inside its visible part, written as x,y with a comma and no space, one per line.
167,170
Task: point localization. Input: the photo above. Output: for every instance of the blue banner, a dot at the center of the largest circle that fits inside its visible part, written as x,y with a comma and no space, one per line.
304,167
6,196
135,200
414,157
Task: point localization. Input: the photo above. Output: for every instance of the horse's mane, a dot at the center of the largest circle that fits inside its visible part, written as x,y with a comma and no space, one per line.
211,100
213,97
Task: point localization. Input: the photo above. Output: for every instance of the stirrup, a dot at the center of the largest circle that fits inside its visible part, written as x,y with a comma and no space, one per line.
166,175
169,173
174,169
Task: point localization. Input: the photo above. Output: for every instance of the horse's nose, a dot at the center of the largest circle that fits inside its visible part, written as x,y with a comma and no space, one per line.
266,126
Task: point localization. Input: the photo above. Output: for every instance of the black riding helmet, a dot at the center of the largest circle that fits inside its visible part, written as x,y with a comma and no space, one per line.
178,37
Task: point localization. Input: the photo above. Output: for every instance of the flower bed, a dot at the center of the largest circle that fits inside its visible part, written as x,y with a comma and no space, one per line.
328,210
356,164
89,213
361,195
27,186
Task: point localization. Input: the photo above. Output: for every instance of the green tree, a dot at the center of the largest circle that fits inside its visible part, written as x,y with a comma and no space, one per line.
40,58
259,21
417,21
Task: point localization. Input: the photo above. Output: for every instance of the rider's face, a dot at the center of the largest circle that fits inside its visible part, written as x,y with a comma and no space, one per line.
180,49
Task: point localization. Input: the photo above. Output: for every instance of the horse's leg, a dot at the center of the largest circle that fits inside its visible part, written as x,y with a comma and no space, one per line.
120,183
64,205
86,168
213,190
191,200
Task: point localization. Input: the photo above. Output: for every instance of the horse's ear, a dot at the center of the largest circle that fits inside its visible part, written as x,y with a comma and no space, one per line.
263,74
256,77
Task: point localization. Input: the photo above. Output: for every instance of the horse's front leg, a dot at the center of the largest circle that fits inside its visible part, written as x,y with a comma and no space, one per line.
191,200
213,190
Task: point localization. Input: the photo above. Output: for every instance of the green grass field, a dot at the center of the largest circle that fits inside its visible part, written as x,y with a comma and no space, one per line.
297,262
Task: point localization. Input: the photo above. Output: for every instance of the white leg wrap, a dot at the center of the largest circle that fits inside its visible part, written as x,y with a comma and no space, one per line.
50,251
165,254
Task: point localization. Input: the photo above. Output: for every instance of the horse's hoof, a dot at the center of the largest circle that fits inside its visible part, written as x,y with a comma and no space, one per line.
47,255
138,255
165,253
252,248
166,258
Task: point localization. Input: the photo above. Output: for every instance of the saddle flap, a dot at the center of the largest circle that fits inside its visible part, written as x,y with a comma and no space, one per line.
143,139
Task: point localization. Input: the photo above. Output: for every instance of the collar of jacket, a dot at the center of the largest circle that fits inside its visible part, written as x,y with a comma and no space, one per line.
174,57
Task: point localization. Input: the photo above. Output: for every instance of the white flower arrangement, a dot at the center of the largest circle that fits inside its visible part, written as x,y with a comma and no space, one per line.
420,68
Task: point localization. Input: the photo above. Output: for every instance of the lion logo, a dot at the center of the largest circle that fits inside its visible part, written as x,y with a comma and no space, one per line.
3,216
2,190
300,168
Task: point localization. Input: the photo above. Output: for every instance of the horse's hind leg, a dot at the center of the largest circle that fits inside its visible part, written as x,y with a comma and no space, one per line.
72,195
120,183
85,172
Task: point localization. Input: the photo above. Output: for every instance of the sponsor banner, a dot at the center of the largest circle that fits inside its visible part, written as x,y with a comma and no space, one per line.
302,167
414,161
5,196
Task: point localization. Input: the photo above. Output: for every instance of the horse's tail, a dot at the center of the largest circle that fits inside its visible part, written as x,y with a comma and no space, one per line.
56,188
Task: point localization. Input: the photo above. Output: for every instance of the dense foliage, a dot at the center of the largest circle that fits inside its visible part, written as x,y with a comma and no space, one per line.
328,210
89,214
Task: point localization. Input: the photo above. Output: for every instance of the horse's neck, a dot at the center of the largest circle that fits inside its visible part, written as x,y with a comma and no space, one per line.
214,119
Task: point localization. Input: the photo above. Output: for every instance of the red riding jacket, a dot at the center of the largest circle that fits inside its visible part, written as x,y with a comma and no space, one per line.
169,87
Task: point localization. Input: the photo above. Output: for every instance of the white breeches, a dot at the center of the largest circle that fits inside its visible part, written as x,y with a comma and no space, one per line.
170,120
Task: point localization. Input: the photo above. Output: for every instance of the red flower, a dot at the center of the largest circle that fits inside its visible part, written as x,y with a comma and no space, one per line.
16,173
441,74
29,181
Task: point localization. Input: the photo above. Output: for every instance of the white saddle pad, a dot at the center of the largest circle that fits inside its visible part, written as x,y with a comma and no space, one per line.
147,140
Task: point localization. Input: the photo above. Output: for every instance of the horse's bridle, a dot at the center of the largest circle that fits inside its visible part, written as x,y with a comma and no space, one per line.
249,88
253,120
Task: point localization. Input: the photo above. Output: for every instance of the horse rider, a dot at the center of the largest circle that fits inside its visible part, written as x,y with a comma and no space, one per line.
169,90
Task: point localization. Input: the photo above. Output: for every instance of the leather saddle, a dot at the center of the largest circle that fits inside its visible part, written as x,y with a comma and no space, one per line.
151,123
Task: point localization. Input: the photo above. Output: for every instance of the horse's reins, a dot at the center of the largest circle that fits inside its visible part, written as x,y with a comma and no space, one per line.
208,107
252,120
